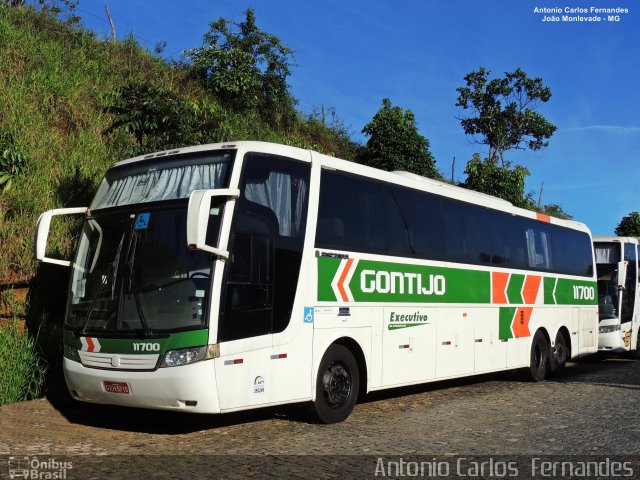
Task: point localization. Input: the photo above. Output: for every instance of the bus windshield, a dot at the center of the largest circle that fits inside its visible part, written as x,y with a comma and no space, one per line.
133,272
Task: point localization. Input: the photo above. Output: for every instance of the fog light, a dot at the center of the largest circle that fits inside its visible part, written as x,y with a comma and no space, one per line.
71,353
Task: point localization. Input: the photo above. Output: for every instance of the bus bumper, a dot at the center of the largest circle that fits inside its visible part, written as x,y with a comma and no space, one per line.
611,342
189,388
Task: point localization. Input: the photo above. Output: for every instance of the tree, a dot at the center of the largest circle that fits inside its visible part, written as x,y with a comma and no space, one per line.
629,226
486,176
503,112
159,119
246,68
395,144
556,210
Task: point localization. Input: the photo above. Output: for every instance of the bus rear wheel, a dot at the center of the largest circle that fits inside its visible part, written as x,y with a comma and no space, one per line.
559,353
337,385
538,359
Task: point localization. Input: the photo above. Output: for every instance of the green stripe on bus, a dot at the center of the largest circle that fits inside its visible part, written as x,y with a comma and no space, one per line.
514,289
506,317
374,281
549,286
192,338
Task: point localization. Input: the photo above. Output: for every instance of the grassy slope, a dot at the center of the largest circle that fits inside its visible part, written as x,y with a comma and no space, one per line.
54,81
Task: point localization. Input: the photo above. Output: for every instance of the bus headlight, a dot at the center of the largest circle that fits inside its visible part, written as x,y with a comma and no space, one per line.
609,328
185,356
71,353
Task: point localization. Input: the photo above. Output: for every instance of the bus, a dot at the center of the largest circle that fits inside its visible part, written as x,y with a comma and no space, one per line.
224,277
618,293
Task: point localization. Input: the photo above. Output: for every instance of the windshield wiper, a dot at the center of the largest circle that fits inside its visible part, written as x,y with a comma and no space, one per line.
133,282
113,268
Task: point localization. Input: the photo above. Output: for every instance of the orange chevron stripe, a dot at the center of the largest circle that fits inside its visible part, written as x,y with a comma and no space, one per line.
520,325
498,285
530,289
543,218
343,277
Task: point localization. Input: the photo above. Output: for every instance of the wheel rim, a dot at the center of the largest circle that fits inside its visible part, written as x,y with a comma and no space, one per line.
559,353
336,383
538,356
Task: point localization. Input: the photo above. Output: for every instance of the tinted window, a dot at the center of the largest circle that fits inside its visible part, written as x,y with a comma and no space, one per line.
364,215
422,215
629,293
267,236
359,215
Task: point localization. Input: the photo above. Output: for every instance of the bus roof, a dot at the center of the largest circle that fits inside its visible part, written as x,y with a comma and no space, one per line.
613,238
408,179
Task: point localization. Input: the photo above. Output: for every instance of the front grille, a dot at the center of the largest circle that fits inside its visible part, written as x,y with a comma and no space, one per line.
118,361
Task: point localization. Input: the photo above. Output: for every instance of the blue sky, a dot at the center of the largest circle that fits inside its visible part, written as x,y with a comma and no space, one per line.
351,54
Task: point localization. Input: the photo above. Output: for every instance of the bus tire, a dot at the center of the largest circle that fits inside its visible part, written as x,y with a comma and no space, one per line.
559,353
538,358
337,385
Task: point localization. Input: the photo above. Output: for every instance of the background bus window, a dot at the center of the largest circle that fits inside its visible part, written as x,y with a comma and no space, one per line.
628,298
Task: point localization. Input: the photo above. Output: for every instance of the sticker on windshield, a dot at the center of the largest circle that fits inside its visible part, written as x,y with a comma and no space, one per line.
142,221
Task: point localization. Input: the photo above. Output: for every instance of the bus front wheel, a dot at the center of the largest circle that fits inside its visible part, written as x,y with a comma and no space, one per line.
337,385
539,358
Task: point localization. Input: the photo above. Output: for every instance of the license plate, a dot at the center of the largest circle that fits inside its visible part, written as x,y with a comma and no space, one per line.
116,387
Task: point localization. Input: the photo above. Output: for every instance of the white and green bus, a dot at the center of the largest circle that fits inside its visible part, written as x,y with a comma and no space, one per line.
618,293
225,277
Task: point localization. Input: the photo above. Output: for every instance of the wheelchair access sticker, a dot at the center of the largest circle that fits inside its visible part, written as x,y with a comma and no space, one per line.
308,314
142,221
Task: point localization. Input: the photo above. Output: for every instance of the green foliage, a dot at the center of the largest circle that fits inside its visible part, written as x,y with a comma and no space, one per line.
158,118
22,373
503,112
629,226
246,68
395,143
556,210
487,177
12,161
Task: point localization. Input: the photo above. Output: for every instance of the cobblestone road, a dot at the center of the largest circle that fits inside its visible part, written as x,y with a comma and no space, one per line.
591,408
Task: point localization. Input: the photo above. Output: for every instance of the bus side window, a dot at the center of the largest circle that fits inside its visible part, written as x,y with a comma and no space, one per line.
360,215
267,236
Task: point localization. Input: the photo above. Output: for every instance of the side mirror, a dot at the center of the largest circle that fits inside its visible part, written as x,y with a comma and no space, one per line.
622,274
198,218
42,233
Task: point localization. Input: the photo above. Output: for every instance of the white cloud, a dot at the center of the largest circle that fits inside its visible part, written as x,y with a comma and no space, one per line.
606,129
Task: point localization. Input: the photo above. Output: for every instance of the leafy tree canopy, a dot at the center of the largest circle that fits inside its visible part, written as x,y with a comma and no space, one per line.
487,177
629,226
246,68
395,144
502,111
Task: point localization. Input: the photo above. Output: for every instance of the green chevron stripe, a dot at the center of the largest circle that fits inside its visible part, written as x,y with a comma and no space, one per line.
514,289
506,317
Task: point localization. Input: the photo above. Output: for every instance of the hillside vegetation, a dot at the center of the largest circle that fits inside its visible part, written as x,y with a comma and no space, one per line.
58,84
72,104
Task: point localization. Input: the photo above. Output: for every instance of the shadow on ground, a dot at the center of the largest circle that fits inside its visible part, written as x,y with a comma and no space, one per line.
178,423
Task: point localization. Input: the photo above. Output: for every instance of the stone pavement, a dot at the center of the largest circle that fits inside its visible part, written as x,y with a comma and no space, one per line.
592,408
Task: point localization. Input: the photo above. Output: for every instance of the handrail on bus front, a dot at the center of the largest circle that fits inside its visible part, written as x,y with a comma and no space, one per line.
198,214
42,233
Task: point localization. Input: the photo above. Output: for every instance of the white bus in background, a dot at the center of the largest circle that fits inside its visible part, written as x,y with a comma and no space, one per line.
232,276
618,293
